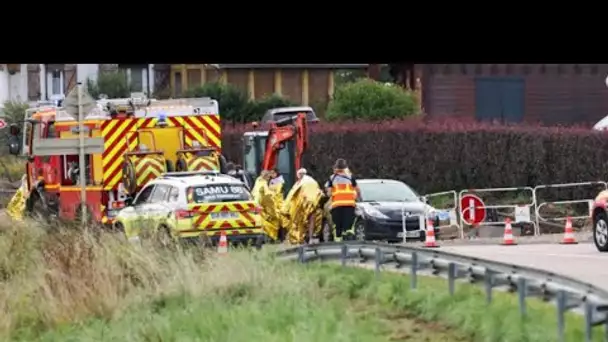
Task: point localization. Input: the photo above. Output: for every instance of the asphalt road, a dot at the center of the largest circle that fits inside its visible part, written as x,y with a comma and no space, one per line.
581,261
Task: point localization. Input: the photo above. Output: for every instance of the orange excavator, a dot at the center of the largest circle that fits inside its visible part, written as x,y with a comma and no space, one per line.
282,146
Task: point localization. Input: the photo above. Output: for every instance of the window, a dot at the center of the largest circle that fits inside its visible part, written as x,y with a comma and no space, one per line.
144,195
219,193
160,193
54,82
284,163
174,194
178,84
387,192
136,79
136,76
250,147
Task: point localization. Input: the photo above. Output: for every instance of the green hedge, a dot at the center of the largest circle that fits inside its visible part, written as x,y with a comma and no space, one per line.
454,155
370,100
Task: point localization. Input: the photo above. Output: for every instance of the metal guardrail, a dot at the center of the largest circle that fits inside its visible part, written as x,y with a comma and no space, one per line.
566,292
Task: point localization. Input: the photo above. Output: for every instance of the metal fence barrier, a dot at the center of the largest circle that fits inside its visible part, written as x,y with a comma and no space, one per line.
526,282
522,211
451,210
588,201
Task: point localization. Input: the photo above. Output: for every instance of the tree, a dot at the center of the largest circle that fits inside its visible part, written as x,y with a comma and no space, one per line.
370,100
113,84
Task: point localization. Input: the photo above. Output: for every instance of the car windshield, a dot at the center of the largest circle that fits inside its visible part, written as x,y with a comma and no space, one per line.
218,193
387,192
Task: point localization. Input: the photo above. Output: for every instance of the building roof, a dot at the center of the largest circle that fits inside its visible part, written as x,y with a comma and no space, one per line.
292,66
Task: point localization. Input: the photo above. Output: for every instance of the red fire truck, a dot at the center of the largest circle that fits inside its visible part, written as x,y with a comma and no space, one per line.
127,143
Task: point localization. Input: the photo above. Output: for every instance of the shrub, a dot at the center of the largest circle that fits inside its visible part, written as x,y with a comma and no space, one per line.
371,100
453,155
234,103
113,84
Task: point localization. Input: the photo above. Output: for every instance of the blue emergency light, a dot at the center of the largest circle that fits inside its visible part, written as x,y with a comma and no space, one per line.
162,119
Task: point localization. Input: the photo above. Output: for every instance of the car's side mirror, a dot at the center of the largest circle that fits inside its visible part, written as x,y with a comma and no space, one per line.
14,147
424,199
129,201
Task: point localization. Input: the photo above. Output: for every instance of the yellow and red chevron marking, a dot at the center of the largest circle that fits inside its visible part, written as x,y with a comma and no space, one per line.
204,221
115,137
216,208
206,163
205,129
147,168
115,143
235,232
218,232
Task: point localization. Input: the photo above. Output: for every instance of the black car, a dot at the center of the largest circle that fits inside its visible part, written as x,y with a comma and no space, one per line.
383,207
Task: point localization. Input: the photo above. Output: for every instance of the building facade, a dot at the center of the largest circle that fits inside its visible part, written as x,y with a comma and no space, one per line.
34,82
305,84
547,93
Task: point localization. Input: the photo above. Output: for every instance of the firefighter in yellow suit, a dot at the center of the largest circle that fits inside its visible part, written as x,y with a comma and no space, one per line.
276,184
301,207
343,191
266,198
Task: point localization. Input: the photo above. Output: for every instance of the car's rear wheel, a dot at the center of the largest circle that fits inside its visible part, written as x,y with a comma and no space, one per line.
600,231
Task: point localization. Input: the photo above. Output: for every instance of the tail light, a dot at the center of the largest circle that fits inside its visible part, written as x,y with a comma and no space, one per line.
118,205
256,210
183,214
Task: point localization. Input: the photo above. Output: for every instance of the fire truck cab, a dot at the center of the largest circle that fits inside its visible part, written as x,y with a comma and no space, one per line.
128,142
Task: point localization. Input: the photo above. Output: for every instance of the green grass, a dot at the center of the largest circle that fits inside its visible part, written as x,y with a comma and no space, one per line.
70,286
11,168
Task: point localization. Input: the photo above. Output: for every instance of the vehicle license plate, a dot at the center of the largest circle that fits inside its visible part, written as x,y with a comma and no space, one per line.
224,215
409,234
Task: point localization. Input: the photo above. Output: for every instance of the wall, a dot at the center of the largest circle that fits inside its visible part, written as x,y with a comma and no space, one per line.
306,86
84,71
555,93
4,84
13,87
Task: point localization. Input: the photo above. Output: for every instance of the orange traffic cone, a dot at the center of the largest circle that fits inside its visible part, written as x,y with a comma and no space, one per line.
430,235
508,239
222,247
569,238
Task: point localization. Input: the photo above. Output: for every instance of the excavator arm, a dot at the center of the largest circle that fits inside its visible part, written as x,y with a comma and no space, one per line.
280,133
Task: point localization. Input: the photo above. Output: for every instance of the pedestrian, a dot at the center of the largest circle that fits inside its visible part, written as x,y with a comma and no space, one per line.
303,177
343,190
275,177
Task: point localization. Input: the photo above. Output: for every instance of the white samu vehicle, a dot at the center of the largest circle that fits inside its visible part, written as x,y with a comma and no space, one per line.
193,205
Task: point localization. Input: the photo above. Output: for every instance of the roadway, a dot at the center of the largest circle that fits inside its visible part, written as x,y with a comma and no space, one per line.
581,261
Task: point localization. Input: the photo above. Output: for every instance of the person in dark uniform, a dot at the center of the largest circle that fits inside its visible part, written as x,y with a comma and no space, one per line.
343,190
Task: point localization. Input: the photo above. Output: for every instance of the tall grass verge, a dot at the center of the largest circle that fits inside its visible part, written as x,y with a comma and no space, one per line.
70,285
48,280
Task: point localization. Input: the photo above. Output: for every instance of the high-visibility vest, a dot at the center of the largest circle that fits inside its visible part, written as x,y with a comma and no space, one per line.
343,193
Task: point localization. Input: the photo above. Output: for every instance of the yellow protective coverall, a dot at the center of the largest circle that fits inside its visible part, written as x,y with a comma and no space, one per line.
267,197
301,205
16,207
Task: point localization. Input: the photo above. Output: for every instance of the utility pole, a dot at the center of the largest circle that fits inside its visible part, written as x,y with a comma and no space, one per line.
82,159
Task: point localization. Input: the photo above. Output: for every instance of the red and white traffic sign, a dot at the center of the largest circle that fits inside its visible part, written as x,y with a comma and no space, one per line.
472,209
2,123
